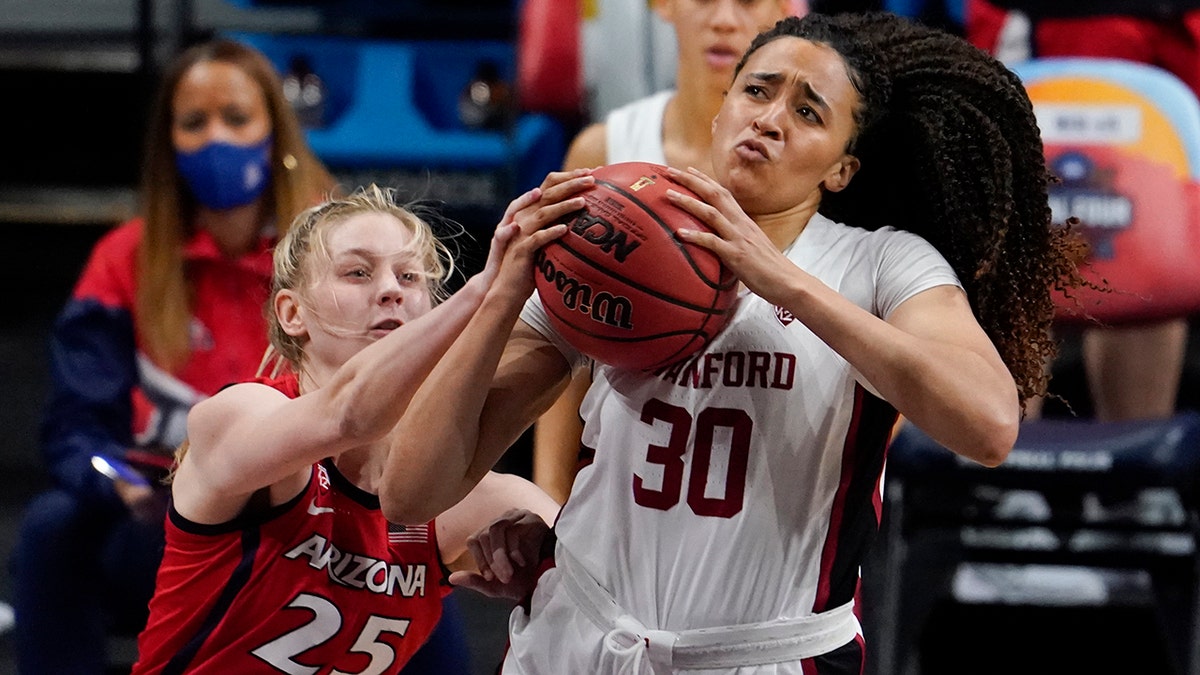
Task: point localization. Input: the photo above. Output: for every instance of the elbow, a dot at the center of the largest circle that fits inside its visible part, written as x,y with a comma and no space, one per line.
407,506
398,505
414,500
995,440
985,437
992,457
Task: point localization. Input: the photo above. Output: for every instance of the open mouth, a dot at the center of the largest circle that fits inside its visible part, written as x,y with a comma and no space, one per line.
387,324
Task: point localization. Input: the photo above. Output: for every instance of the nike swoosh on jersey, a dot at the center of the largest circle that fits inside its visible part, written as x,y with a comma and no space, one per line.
314,510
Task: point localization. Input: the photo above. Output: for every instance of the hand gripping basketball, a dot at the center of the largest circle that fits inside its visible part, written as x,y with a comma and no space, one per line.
620,286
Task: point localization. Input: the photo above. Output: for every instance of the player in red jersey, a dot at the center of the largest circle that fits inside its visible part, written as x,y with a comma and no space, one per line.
278,559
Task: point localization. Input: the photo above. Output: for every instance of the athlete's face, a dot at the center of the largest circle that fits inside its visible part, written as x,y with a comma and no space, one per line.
713,34
784,127
217,101
369,281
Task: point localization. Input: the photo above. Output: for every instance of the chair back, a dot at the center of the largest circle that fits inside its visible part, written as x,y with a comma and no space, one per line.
1123,139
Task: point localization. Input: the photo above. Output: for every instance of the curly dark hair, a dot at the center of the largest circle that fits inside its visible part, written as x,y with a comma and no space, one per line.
950,150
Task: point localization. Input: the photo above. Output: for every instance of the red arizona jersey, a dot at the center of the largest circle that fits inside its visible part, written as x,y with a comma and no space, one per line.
319,584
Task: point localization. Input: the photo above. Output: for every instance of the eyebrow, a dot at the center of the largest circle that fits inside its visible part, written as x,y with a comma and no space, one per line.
405,254
809,92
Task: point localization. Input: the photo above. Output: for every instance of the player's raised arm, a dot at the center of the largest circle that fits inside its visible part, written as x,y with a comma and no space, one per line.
493,382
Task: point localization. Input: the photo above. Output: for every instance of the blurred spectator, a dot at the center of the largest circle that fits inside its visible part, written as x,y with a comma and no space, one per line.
647,44
168,309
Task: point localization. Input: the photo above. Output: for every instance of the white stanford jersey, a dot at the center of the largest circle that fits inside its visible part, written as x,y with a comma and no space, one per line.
743,485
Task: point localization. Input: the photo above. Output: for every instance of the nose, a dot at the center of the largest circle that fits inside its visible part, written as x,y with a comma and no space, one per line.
390,289
767,122
214,130
724,16
219,131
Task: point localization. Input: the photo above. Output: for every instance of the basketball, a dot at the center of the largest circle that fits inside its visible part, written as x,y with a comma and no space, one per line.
621,287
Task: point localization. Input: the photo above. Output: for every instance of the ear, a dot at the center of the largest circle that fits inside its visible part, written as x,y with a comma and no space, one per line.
841,173
287,310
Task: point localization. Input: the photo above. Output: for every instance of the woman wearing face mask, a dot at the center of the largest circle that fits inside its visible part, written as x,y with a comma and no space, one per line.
169,309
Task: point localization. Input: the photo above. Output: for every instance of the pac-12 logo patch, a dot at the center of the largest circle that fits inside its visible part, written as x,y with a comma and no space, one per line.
785,317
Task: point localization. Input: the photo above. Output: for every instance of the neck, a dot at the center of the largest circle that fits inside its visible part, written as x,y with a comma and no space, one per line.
687,121
697,102
235,230
783,227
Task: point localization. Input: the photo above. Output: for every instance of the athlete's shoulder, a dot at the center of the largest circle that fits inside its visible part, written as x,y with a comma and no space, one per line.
653,105
822,230
588,148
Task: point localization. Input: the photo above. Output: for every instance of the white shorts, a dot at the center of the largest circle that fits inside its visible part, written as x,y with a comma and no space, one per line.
574,626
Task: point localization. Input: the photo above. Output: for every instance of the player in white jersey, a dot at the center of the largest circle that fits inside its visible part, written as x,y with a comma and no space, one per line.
673,128
733,496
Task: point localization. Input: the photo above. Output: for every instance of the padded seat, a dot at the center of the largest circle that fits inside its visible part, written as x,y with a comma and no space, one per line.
1082,513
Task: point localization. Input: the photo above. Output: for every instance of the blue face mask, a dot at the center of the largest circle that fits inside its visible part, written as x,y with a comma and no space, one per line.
223,175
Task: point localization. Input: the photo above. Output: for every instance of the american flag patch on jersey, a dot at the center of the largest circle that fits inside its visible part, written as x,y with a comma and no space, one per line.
412,534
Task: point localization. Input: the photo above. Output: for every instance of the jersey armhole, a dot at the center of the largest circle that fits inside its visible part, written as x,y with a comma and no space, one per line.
249,518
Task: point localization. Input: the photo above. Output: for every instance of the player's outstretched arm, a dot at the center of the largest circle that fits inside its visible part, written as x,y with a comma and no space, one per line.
493,382
251,436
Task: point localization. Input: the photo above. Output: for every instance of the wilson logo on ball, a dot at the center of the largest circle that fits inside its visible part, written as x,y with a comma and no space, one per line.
591,283
601,306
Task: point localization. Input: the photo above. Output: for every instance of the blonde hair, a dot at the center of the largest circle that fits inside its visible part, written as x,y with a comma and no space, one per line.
298,180
307,236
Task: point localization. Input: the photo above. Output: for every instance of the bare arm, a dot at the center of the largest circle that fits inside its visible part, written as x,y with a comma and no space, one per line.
496,495
556,433
494,381
475,405
556,439
250,436
930,359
